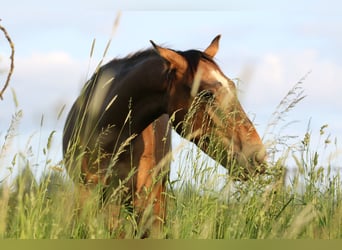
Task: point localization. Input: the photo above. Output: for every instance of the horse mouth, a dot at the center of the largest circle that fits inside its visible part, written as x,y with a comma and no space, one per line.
245,170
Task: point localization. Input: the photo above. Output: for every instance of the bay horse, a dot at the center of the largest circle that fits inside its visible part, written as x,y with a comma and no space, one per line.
117,132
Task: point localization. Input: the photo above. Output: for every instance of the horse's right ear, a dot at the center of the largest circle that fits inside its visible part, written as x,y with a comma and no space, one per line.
177,61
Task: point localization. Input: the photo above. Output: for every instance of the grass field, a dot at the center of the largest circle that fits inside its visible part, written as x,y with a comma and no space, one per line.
304,201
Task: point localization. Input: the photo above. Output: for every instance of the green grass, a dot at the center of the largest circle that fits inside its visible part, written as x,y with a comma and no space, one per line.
305,202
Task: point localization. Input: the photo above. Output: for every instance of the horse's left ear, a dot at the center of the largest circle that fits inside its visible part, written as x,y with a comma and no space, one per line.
213,47
177,61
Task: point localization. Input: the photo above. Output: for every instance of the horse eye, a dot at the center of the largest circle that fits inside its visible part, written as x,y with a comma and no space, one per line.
207,95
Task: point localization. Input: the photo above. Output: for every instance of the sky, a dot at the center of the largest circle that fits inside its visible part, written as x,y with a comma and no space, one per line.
268,45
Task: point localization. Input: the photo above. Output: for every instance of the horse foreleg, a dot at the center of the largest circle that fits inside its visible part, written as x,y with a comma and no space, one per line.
149,199
150,205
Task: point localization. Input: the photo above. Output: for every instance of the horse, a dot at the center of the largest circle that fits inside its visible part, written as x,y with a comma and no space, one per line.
118,131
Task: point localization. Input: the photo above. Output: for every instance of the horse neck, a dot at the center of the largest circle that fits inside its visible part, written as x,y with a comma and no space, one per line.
141,96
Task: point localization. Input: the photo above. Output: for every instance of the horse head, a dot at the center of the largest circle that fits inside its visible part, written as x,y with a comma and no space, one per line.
207,110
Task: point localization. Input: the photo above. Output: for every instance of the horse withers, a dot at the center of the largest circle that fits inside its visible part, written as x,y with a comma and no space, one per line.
117,133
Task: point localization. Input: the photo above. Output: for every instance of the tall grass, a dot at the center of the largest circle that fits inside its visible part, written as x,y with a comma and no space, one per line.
304,201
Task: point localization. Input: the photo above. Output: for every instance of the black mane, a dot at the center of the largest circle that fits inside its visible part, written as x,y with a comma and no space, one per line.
135,57
193,58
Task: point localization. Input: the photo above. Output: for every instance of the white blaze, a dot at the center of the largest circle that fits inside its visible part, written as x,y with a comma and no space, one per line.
227,92
221,79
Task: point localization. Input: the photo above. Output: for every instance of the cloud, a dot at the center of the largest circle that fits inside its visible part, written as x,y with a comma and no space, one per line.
55,66
275,73
44,82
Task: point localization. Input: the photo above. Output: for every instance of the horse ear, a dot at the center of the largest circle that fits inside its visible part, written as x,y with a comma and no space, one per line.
176,61
213,47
